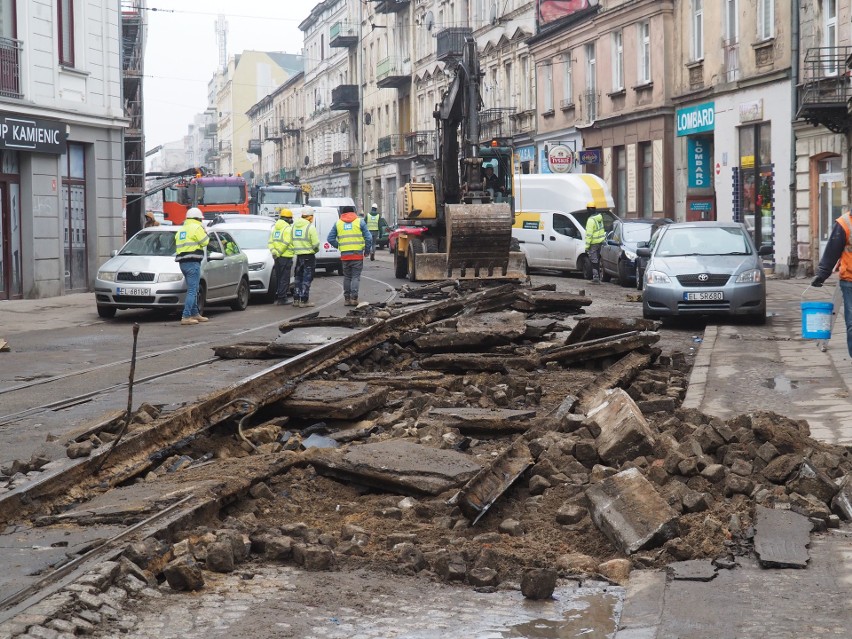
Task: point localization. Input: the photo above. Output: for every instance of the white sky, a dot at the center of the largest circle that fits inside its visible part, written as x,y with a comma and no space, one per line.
181,53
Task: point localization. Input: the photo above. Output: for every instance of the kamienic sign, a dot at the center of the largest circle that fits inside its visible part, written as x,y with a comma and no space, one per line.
29,134
696,119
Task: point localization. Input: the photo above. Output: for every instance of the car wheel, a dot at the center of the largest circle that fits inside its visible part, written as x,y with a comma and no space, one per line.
640,279
400,266
605,277
272,291
514,245
584,265
623,277
242,300
648,315
107,312
201,298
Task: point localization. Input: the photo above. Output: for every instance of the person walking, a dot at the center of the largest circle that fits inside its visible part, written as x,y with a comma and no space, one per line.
281,246
839,248
375,224
595,235
352,235
190,241
150,220
305,243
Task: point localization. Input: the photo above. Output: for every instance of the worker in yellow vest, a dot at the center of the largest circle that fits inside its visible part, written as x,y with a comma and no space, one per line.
190,240
595,236
351,235
281,246
305,243
375,224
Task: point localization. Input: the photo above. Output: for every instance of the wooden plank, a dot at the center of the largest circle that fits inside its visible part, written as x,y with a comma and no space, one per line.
541,301
781,538
458,342
603,347
590,328
494,421
480,362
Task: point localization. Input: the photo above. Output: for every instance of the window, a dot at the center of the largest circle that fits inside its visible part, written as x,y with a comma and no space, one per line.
65,20
73,165
620,180
547,71
617,61
525,95
829,34
697,30
591,96
731,22
644,52
7,19
509,85
765,19
567,81
646,182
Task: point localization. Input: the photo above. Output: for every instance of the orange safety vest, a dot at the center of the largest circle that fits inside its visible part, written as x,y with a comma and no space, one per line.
845,221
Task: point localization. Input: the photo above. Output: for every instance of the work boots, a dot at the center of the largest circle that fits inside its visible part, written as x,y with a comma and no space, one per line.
354,301
307,304
188,321
297,303
347,301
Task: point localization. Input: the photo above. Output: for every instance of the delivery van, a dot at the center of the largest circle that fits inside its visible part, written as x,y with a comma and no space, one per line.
328,257
550,218
342,204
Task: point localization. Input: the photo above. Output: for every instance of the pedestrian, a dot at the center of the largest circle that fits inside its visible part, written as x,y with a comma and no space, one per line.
375,224
839,248
305,245
190,240
281,246
595,235
351,234
150,220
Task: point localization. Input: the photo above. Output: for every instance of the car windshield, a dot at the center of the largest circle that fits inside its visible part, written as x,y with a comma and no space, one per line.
709,240
250,238
635,233
279,197
150,243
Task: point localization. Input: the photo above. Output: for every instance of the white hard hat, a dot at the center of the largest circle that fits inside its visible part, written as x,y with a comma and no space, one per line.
375,206
307,211
194,214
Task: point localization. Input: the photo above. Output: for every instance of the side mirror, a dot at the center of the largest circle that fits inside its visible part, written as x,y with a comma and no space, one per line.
643,244
643,251
215,256
765,250
113,253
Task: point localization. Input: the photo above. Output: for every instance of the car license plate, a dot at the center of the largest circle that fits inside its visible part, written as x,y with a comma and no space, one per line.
704,296
133,292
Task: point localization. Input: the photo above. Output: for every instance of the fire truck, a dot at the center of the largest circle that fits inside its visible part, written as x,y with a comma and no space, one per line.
213,194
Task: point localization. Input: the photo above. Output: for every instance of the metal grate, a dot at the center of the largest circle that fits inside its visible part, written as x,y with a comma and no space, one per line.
10,68
127,276
134,299
712,280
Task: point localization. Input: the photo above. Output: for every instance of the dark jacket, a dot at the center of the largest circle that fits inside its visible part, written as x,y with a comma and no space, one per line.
832,253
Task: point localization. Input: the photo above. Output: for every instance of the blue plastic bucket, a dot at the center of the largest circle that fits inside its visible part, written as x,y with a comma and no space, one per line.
816,320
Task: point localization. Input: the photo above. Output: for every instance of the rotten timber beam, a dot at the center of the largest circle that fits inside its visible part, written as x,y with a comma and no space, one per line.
603,347
590,328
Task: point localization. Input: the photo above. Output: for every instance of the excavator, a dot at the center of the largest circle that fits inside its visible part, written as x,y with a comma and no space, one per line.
460,226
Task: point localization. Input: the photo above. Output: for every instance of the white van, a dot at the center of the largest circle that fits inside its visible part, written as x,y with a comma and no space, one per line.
550,218
328,257
342,204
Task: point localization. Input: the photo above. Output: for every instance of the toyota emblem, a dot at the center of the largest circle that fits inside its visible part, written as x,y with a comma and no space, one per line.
703,277
136,273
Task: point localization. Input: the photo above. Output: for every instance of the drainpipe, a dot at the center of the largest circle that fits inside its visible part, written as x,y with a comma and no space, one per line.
794,80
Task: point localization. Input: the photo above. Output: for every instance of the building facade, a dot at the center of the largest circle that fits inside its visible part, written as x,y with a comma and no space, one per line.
61,145
277,125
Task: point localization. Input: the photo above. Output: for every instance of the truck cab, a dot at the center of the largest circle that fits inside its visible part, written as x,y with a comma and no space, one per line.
271,198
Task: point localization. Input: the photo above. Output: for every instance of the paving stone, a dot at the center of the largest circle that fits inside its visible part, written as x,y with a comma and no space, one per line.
538,485
737,484
809,480
569,514
714,473
618,570
511,527
576,562
62,625
90,616
538,583
220,556
692,570
92,602
483,577
625,434
780,468
842,502
40,632
184,574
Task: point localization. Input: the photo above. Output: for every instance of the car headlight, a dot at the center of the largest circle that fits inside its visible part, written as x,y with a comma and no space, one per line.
170,277
630,255
257,266
750,277
106,276
657,277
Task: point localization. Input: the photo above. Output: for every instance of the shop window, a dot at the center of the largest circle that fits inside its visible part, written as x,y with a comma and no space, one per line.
646,181
594,169
620,168
10,227
73,165
757,182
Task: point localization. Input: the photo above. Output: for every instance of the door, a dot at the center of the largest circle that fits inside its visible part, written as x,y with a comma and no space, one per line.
611,249
233,263
830,197
215,271
563,242
529,231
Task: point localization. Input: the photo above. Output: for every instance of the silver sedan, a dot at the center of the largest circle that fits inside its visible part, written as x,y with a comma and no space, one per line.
704,268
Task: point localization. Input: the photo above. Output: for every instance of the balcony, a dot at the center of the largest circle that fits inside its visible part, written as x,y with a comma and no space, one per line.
270,135
420,144
254,147
450,42
496,123
290,128
393,73
288,175
391,147
345,98
731,51
342,159
824,93
342,35
523,122
391,6
10,68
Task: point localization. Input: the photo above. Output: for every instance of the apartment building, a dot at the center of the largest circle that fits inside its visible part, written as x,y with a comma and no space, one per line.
200,140
822,127
277,125
734,104
603,88
61,144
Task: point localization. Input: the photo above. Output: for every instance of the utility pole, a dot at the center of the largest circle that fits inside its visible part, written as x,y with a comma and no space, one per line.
360,54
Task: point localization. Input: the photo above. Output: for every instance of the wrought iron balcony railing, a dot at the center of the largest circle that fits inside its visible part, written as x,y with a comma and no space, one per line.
825,93
10,68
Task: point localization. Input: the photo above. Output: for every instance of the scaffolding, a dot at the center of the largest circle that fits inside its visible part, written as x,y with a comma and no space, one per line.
132,54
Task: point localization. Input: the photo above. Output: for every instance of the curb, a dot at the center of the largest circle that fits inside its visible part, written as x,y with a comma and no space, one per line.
700,369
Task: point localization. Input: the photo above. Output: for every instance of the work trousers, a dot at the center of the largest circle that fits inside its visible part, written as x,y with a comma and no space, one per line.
375,235
303,275
352,277
192,274
283,266
846,290
595,259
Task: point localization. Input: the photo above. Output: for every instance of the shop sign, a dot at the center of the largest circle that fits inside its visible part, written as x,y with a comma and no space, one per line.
30,134
590,156
526,154
700,206
560,159
696,119
698,151
751,111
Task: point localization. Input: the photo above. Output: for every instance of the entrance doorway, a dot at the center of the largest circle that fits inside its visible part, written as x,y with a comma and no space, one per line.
10,241
830,197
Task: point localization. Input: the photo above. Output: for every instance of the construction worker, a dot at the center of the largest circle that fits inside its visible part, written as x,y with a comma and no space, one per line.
375,224
190,241
595,235
281,246
351,235
305,243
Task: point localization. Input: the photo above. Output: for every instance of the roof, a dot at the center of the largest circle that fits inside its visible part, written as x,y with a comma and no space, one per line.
291,62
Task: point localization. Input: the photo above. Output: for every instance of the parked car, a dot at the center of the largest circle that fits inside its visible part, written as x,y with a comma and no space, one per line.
642,262
704,268
383,240
144,274
253,237
618,254
394,232
226,218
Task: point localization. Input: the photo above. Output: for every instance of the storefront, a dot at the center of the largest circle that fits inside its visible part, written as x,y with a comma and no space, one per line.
694,127
568,139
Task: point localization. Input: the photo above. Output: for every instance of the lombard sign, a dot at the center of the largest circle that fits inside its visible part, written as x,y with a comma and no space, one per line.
560,159
696,119
698,160
29,134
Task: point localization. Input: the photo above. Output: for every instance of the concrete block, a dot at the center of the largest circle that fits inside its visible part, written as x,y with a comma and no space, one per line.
842,502
809,480
625,434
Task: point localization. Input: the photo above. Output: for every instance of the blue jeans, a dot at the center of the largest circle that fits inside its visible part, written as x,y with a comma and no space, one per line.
192,274
283,265
303,275
351,277
846,289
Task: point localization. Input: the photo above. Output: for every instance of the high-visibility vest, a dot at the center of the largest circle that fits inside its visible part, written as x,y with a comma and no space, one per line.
845,221
190,241
595,232
305,238
373,221
280,239
350,240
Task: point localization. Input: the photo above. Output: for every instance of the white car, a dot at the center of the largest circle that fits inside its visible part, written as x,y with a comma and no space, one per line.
252,238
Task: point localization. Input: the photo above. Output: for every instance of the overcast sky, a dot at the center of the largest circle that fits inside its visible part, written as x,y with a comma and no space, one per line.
181,54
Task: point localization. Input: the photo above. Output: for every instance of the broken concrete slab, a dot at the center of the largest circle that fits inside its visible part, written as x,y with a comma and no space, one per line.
544,301
397,466
625,433
630,512
598,348
809,480
692,570
480,493
842,502
319,399
453,342
619,374
591,328
492,420
478,362
358,430
781,538
508,324
538,328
